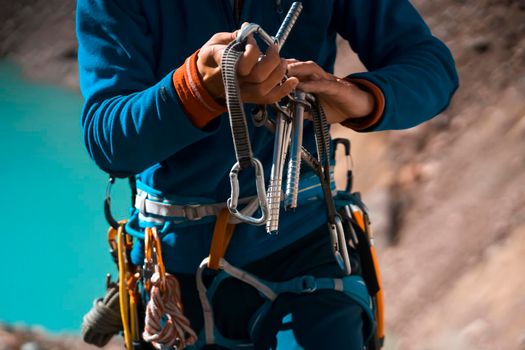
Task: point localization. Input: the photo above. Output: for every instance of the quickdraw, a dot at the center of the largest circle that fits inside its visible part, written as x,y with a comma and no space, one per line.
269,201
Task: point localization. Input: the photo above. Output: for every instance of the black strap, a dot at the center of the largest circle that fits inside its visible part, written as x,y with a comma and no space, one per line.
238,125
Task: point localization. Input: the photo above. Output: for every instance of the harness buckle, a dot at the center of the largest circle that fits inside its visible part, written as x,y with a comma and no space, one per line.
308,284
191,213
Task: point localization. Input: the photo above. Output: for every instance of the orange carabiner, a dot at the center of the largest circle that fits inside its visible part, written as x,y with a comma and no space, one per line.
148,258
153,258
160,268
123,279
112,240
113,248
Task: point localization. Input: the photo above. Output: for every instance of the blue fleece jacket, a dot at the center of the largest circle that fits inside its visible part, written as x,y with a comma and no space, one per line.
133,121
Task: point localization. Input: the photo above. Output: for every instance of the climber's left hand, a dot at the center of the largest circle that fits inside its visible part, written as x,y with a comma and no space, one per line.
340,99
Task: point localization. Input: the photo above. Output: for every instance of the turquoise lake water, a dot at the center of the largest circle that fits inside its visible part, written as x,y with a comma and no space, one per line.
54,233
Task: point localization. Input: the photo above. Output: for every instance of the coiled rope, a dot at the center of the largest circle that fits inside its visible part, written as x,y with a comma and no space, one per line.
103,320
165,324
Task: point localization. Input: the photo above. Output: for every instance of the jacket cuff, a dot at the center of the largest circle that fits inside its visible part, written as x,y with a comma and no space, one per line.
199,106
360,124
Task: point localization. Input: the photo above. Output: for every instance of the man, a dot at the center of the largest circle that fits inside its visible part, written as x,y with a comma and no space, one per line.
154,107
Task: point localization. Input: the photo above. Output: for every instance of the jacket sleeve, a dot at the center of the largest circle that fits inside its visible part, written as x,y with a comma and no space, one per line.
414,70
131,119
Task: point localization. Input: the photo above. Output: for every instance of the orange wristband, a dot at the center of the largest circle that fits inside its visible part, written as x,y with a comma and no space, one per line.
359,124
199,106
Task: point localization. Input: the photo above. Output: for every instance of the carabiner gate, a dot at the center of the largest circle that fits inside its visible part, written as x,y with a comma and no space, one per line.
261,194
339,245
253,28
107,204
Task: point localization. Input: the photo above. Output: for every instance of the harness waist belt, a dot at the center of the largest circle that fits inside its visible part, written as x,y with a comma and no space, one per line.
154,209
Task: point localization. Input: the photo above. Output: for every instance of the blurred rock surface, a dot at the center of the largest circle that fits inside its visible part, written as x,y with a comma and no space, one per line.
451,249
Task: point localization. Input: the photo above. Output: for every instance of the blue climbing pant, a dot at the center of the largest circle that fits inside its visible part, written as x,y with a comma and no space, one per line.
323,319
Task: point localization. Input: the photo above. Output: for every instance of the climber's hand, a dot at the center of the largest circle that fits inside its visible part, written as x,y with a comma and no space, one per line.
260,76
339,98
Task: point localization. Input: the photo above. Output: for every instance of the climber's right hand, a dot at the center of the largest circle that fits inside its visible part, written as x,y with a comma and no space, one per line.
260,76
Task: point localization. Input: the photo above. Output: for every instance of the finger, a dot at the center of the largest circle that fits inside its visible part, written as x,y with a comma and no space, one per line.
325,87
216,46
308,70
249,58
276,93
261,89
282,90
222,38
265,66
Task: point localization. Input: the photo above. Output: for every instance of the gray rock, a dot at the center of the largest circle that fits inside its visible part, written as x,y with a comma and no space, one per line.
31,346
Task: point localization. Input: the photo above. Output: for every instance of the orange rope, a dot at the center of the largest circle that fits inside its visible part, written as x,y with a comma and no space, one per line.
165,325
167,306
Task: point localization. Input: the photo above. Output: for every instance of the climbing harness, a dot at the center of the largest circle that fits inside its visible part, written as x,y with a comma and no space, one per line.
353,286
149,288
155,210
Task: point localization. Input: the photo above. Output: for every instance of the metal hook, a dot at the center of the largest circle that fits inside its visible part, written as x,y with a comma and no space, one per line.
339,245
261,194
107,204
253,28
349,162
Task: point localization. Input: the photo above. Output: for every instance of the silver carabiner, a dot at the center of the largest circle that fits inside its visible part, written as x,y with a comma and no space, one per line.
339,245
253,28
261,194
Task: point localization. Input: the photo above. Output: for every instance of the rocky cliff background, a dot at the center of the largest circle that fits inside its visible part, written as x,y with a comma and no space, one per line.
447,197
